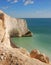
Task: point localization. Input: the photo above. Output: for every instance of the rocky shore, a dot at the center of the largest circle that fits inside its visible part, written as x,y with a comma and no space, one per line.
17,56
11,54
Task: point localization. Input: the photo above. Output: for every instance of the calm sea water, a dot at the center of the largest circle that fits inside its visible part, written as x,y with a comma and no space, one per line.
41,39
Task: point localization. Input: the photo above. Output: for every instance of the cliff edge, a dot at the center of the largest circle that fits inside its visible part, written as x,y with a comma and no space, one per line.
13,26
11,55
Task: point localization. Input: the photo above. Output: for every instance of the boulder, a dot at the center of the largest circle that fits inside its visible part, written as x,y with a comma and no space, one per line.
42,57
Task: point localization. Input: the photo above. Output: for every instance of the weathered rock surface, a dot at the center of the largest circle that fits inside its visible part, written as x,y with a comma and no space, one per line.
10,54
13,26
42,57
1,30
13,56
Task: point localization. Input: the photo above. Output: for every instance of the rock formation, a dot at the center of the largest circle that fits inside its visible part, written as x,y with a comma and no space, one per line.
14,56
10,54
13,26
10,27
42,57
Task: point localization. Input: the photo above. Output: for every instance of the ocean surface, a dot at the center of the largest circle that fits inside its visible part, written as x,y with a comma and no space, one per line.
41,39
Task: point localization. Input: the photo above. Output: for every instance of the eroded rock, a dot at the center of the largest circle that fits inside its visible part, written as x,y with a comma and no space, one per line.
13,26
42,57
10,54
14,56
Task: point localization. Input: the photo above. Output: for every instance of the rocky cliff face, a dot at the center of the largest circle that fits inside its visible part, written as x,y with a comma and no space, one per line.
10,54
13,26
13,56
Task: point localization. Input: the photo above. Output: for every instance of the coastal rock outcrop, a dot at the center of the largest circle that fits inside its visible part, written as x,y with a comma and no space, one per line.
13,26
13,56
42,57
9,53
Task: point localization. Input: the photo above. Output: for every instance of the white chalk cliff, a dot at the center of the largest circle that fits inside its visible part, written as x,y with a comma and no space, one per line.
10,26
16,56
14,26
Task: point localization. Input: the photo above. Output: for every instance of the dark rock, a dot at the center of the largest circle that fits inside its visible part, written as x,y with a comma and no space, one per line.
28,34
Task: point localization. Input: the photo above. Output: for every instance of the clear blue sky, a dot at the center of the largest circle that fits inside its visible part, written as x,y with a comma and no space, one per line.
27,8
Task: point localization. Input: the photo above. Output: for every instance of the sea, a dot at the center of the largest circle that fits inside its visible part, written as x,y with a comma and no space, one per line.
41,38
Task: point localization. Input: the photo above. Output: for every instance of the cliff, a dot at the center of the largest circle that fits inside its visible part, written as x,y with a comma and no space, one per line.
10,54
13,26
16,56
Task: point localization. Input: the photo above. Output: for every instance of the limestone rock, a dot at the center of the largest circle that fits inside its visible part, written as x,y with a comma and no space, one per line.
1,31
42,57
10,54
28,34
13,26
14,56
24,51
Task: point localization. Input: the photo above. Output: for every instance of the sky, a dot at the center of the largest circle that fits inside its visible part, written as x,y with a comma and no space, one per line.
27,8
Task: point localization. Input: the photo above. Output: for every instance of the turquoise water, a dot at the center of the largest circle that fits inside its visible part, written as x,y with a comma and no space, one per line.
41,39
